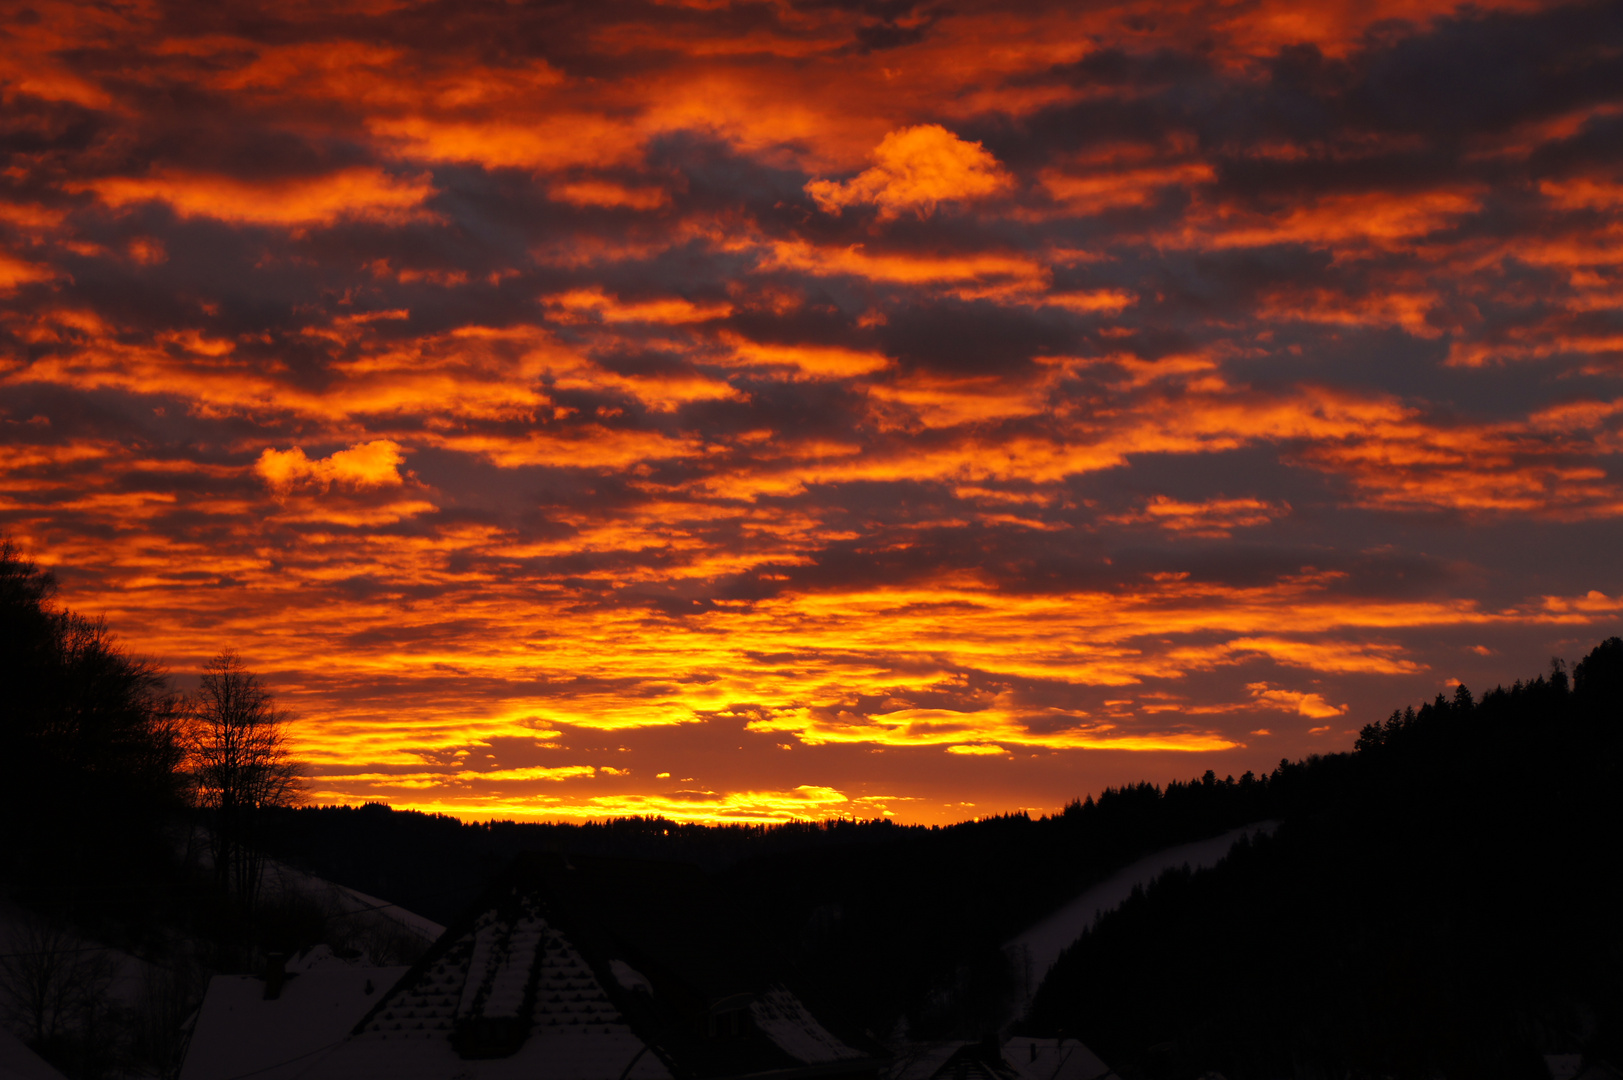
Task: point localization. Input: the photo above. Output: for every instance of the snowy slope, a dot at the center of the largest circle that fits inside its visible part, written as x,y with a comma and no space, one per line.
17,1062
1035,950
283,879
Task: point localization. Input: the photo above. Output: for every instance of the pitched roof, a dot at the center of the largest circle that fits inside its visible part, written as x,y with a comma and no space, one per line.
18,1062
239,1031
597,969
1054,1059
1021,1058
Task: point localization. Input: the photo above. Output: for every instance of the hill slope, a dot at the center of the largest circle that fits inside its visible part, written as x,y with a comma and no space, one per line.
1443,900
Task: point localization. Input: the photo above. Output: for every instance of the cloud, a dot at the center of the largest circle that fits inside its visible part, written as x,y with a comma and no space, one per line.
361,193
915,169
1211,519
1253,347
805,802
15,272
530,772
1312,706
976,731
373,464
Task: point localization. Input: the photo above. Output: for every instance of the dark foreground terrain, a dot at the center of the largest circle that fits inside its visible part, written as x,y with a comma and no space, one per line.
1445,900
1441,901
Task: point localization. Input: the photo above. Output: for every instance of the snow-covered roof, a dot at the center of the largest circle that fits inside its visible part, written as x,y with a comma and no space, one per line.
1053,1059
921,1061
507,982
593,970
240,1031
17,1062
1021,1058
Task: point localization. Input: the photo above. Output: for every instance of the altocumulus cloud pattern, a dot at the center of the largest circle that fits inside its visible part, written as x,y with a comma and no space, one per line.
750,410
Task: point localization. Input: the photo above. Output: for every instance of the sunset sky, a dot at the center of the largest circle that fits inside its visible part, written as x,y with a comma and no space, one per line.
741,411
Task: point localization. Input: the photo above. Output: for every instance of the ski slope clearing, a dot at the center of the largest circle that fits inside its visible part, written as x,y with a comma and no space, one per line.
1036,950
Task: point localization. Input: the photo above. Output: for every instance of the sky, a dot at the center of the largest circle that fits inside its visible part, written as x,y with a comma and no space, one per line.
743,411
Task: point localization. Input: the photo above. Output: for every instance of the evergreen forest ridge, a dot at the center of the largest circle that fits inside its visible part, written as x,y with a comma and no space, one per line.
1441,899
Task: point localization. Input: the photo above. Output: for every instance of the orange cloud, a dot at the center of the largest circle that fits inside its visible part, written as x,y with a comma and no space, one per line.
360,192
721,458
806,802
666,310
1312,706
916,169
998,268
605,193
1212,519
1591,603
1090,187
1358,220
975,732
1327,655
365,465
806,361
531,772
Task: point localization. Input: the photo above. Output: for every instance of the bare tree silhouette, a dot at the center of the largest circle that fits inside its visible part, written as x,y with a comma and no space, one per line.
240,765
52,982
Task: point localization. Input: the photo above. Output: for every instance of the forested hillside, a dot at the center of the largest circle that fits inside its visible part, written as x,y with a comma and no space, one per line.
1444,900
892,921
91,755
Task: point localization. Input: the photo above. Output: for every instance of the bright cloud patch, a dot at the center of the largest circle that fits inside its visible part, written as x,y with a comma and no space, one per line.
806,802
915,169
1312,706
753,467
366,465
15,272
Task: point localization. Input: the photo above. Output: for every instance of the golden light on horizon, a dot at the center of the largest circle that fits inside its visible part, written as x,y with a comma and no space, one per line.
849,413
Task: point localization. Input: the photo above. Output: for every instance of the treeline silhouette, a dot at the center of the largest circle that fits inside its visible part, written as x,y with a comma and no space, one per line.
911,928
1441,900
91,754
891,922
1445,900
119,828
126,827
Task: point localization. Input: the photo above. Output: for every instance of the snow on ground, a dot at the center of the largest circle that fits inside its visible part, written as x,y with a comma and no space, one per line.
125,977
1036,950
781,1017
283,879
553,1054
920,1060
279,879
17,1062
1028,1058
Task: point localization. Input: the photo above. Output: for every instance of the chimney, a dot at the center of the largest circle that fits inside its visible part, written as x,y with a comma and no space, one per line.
275,974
